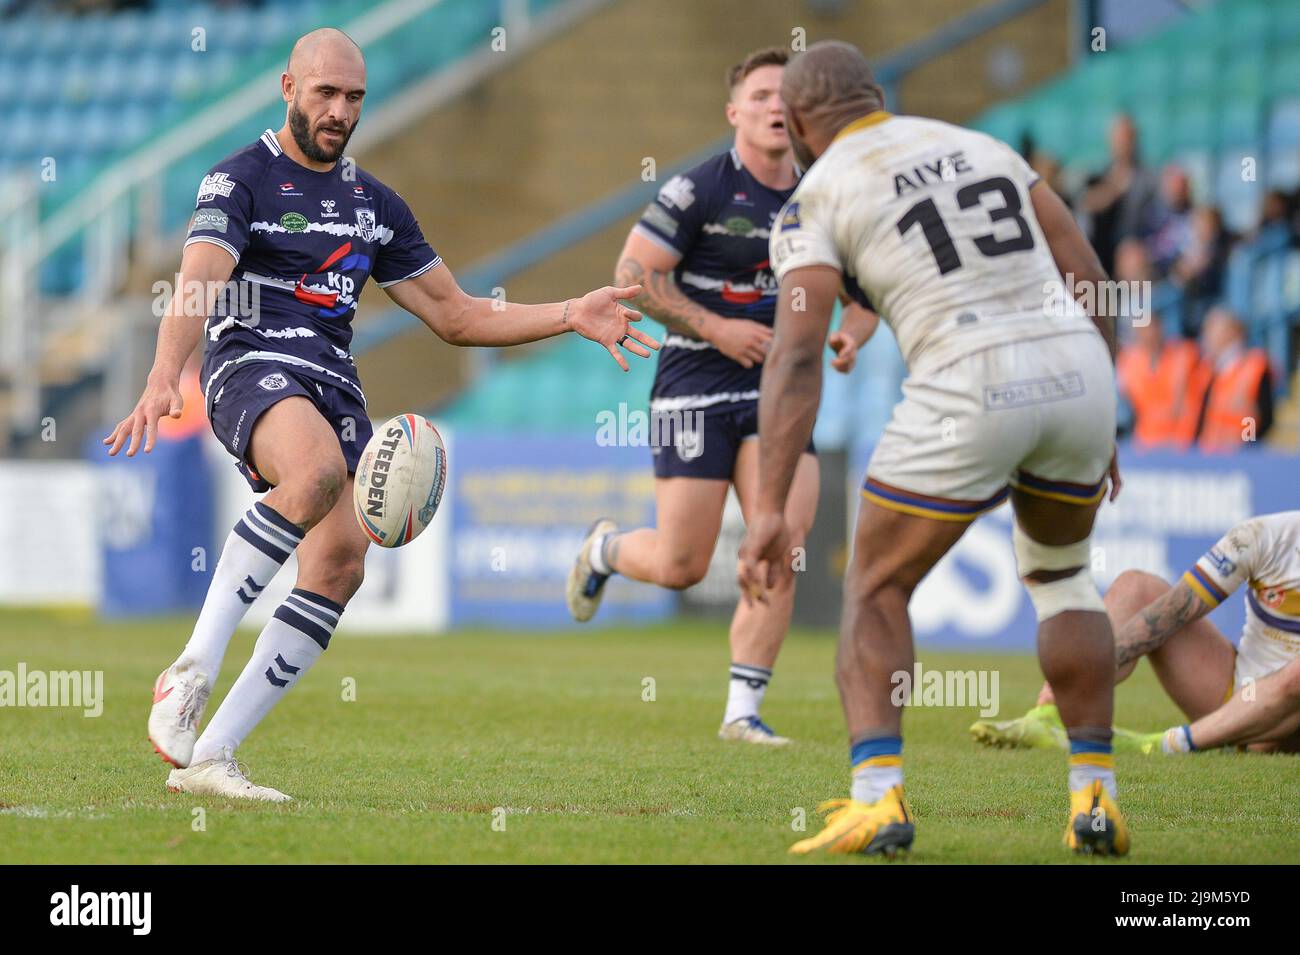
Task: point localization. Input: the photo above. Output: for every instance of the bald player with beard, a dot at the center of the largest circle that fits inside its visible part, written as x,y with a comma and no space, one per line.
956,242
305,230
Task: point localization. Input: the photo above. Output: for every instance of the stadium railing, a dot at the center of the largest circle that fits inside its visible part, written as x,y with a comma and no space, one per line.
422,52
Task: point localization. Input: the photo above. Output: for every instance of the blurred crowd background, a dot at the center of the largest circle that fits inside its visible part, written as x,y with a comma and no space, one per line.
528,135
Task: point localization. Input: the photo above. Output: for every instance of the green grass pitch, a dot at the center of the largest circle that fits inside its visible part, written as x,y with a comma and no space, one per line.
550,735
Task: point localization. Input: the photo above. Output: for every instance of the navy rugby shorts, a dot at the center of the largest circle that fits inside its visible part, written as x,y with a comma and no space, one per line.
247,392
703,443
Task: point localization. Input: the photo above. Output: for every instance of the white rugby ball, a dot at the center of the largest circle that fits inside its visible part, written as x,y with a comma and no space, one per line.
400,480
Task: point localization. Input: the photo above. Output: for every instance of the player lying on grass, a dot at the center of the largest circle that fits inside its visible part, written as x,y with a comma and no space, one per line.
283,393
1247,697
956,241
700,255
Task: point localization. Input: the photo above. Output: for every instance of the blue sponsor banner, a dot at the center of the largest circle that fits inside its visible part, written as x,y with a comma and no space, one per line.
520,505
1171,510
155,517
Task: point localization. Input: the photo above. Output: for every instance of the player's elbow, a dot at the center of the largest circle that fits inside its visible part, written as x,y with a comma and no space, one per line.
455,324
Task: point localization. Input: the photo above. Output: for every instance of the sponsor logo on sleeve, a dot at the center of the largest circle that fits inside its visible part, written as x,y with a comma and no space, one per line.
209,220
677,193
790,217
1225,566
657,216
213,185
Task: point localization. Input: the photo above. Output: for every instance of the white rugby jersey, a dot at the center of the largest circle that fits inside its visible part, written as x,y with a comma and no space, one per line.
932,226
1264,554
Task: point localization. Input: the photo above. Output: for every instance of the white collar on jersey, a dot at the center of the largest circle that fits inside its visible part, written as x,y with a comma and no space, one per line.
270,142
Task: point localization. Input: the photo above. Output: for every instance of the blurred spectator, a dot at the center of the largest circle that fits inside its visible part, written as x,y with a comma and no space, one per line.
1164,382
1172,233
1148,298
1049,169
1198,270
1239,401
1274,230
1119,203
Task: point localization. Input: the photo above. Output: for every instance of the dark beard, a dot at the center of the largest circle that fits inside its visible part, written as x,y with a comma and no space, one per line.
301,130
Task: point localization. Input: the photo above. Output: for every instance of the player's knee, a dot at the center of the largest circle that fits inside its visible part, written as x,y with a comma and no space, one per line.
1057,576
1289,678
864,586
315,489
682,571
1134,588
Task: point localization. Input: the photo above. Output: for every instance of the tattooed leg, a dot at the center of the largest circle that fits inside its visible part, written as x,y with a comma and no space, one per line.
1190,657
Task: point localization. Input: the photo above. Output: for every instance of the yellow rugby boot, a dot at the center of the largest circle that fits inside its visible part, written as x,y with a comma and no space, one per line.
882,827
1096,825
1040,728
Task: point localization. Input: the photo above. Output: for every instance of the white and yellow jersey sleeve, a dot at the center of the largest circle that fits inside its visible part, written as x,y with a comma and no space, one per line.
1262,553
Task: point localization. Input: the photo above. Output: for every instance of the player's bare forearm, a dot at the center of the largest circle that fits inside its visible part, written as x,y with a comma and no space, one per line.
205,269
460,319
1155,623
1074,257
663,301
792,380
787,410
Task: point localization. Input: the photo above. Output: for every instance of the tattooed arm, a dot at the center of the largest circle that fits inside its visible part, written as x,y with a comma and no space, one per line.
1150,627
741,340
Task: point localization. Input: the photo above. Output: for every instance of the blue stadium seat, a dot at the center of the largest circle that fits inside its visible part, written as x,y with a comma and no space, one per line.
1239,198
1284,70
1197,76
1241,122
1194,124
43,81
1284,125
1283,169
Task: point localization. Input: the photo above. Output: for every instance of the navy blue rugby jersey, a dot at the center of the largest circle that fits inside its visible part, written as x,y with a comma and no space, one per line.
305,242
718,218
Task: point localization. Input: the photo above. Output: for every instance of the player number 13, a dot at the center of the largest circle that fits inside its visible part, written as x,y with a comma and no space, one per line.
926,214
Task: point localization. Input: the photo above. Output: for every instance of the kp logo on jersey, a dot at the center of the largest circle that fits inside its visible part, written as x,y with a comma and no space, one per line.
330,287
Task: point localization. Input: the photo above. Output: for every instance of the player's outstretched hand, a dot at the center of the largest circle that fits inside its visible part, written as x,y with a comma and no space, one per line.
1115,482
158,400
857,325
764,557
742,341
602,317
846,351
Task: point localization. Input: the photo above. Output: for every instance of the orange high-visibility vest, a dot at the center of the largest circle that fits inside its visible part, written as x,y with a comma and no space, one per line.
1233,399
1166,396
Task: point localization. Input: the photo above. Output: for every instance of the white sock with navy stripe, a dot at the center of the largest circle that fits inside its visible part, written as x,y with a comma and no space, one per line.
254,553
292,641
747,688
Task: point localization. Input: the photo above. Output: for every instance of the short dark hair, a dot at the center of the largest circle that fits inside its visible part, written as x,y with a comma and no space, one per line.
768,56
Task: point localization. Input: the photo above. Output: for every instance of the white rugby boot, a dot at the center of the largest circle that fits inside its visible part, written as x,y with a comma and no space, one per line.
224,776
750,729
179,698
586,586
